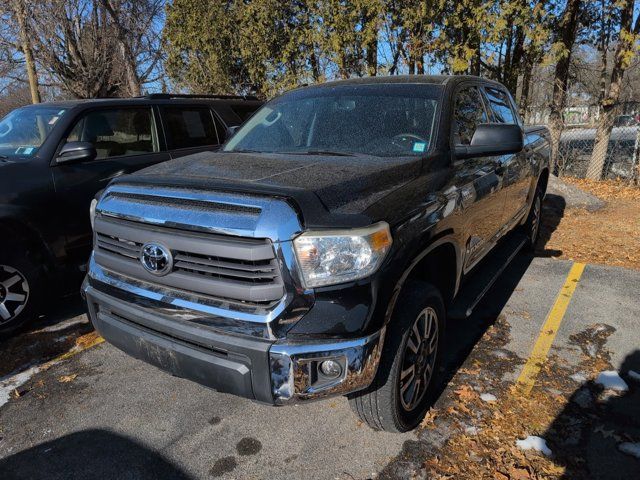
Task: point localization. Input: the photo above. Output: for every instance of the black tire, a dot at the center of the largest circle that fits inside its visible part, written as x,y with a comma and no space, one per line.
382,406
20,276
531,227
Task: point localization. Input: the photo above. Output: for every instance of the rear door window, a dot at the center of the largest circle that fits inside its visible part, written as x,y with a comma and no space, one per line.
468,113
500,106
189,127
117,132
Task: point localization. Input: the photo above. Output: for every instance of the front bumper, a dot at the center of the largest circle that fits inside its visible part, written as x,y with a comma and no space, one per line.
271,372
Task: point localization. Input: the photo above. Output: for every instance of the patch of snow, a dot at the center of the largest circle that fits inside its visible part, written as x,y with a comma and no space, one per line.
532,442
592,350
630,449
634,375
578,377
488,397
9,383
610,380
66,324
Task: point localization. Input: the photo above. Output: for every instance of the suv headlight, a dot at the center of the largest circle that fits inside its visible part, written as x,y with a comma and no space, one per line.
337,256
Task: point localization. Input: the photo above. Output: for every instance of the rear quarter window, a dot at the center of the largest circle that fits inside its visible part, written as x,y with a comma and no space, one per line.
500,106
188,127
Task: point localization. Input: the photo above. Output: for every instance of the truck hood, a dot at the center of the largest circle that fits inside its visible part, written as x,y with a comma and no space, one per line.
347,185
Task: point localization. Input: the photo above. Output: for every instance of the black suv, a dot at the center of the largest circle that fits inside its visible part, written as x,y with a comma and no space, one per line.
54,157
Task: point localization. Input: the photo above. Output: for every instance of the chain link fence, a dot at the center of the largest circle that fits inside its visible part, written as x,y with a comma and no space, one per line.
575,156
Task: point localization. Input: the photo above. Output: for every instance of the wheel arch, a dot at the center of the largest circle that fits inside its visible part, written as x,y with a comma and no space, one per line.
14,227
439,264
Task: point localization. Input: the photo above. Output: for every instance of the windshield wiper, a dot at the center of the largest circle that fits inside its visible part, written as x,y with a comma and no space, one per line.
244,150
323,152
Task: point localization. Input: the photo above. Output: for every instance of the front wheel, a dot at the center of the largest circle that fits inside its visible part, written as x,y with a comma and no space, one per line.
20,288
401,393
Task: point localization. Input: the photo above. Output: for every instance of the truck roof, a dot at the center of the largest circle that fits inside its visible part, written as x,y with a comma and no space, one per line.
151,98
398,79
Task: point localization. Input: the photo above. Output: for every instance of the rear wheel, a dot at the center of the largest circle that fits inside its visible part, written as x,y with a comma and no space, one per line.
20,288
534,220
401,393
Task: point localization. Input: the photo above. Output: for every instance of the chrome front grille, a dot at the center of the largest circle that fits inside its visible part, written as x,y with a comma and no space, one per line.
220,266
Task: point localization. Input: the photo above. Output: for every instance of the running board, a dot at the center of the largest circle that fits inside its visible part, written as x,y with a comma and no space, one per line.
485,275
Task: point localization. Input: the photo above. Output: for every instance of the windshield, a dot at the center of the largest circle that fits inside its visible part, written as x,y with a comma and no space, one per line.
25,129
391,120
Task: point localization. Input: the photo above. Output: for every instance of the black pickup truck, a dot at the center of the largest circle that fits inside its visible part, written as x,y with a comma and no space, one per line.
321,250
54,157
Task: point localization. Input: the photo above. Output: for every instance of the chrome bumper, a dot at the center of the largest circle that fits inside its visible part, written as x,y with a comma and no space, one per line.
295,374
281,372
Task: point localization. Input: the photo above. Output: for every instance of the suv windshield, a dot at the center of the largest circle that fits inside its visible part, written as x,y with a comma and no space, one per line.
25,129
393,120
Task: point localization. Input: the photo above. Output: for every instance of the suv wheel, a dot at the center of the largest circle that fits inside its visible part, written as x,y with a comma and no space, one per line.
401,393
20,289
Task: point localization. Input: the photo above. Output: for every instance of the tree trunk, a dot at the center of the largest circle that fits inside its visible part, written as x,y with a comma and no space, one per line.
27,50
131,64
608,106
566,36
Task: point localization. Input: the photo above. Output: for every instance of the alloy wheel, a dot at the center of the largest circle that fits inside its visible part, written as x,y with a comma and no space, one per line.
14,293
419,359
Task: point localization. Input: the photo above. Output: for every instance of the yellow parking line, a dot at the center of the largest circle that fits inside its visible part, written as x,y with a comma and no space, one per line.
83,343
538,356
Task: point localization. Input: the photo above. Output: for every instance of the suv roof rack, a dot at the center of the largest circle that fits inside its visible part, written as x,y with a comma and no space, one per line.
166,96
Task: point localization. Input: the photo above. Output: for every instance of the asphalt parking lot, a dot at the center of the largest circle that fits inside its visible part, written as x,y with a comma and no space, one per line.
102,414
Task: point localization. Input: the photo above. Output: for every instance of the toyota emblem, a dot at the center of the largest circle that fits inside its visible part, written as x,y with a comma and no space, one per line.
156,259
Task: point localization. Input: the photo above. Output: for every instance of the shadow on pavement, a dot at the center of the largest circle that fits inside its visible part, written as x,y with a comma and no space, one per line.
463,335
89,454
587,436
552,213
46,338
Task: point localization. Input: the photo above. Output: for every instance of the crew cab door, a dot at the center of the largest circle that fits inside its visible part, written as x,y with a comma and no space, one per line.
479,179
126,140
517,167
191,129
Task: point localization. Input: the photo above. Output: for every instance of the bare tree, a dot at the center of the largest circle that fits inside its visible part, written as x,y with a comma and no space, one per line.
625,51
138,37
76,45
26,44
564,42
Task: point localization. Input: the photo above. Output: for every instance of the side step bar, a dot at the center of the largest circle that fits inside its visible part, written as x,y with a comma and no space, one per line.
485,275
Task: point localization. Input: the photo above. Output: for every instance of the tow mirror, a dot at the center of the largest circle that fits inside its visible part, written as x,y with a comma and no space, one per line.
492,139
76,152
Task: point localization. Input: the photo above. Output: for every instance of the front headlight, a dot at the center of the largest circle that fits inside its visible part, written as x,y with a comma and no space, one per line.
337,256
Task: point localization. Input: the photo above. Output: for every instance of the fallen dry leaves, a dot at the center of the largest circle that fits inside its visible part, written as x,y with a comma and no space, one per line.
67,378
610,236
488,450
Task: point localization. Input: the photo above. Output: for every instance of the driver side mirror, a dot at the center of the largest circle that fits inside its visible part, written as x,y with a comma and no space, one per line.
72,152
492,139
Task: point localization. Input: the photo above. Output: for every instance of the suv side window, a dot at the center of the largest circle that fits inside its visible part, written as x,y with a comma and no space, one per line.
468,113
500,106
117,132
189,127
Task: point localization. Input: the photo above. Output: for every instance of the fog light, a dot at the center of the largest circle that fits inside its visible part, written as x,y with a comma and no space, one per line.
331,369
